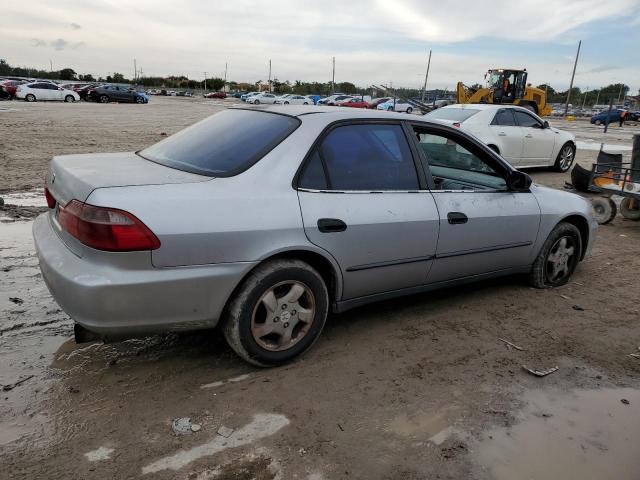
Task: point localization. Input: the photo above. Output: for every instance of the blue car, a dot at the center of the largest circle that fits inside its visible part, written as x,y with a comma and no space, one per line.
614,116
144,97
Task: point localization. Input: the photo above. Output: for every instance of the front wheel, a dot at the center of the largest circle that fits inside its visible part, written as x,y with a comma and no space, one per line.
409,110
30,98
104,99
277,313
256,102
598,122
139,100
565,157
69,99
558,257
286,103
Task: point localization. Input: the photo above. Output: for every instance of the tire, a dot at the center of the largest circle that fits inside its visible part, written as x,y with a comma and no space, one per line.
558,257
630,208
30,97
565,158
243,317
103,99
409,110
69,99
286,103
256,102
604,209
598,122
139,100
306,103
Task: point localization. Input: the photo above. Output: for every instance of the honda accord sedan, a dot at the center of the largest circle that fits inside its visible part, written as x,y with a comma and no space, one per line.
263,220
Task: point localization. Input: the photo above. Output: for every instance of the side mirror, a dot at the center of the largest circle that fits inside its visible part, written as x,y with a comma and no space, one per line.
545,124
518,181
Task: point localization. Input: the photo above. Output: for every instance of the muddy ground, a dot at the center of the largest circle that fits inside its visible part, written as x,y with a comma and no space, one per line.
416,388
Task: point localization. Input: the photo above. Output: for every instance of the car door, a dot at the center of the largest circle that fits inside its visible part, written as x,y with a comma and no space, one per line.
484,227
55,92
508,135
538,142
363,202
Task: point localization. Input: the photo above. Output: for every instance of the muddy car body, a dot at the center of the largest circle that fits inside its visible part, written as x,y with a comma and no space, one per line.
324,209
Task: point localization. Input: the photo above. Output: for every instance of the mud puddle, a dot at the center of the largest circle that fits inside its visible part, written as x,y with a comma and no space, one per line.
585,434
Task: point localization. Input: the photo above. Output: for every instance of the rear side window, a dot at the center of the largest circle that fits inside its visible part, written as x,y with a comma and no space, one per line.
364,157
454,114
224,144
504,118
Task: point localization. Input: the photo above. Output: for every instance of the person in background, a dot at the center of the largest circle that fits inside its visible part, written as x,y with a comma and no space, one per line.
623,117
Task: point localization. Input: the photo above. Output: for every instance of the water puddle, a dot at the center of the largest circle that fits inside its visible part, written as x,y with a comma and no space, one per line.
585,434
595,146
29,198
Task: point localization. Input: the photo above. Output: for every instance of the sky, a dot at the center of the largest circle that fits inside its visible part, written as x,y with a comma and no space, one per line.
374,42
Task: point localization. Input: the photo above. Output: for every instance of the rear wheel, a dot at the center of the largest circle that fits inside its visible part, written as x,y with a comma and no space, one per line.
598,122
565,157
277,313
104,99
256,102
30,97
558,257
604,209
139,99
409,110
630,208
69,98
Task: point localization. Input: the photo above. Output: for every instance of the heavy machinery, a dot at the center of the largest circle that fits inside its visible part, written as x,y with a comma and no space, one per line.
508,86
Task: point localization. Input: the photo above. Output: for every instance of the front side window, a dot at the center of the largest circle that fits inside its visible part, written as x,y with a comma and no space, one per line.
453,167
526,120
224,144
369,157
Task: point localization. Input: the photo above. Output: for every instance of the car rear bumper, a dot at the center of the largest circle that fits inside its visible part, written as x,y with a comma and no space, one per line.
115,302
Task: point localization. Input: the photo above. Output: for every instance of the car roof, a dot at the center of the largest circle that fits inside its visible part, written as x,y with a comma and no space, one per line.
332,113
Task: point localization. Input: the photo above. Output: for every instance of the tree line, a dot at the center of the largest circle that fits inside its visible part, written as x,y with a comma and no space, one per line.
600,96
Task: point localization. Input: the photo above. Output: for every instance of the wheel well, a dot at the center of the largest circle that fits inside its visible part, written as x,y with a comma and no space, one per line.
583,226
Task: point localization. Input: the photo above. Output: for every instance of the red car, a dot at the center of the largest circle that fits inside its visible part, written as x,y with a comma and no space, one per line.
9,87
356,103
215,95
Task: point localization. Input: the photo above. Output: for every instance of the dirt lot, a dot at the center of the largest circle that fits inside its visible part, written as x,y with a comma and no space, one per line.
416,388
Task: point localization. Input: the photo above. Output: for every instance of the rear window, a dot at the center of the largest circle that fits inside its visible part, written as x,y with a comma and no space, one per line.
224,144
454,114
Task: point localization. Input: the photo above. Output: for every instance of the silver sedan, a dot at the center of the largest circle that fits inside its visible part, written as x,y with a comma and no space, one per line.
265,219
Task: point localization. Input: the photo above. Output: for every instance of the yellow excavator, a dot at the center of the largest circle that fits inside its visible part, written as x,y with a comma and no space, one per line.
507,86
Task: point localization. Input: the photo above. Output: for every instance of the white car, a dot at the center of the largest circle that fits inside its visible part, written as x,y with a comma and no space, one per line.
264,97
519,135
45,91
294,100
332,99
396,106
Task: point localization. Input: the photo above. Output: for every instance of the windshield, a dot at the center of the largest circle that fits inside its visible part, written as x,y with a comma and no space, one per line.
224,144
454,114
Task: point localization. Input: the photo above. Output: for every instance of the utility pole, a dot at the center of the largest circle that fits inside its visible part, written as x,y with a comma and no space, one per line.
426,77
51,65
205,82
225,77
598,97
269,75
584,99
135,70
620,94
566,105
333,76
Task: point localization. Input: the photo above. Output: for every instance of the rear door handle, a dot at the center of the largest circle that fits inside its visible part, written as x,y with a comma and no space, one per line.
502,134
457,218
331,225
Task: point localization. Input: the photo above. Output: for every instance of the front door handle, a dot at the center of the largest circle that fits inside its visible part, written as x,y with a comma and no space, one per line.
528,136
502,134
331,225
457,218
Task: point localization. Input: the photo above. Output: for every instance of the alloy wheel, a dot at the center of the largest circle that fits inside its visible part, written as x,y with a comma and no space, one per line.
566,157
560,259
283,315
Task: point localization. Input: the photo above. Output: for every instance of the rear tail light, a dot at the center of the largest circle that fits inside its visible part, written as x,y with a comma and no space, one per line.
51,202
106,228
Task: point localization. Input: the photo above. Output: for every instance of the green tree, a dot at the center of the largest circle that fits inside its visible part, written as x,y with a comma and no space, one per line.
67,74
215,83
119,78
87,77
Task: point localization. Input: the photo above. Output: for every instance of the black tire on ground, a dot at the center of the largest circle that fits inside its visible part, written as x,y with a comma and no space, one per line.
409,110
562,165
604,209
286,103
630,208
238,316
256,102
598,122
564,236
69,98
30,97
103,99
139,99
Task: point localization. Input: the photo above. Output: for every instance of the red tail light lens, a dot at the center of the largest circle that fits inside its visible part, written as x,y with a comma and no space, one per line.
456,124
107,229
51,202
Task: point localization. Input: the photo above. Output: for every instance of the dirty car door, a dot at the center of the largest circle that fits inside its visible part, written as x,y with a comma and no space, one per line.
362,202
484,227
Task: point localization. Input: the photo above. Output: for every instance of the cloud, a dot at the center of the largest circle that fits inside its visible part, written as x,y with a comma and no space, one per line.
75,26
59,44
38,42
